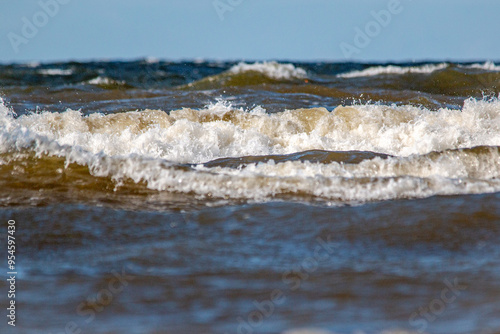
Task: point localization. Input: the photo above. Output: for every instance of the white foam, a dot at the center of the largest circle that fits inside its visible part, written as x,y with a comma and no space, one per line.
5,112
271,69
487,66
151,60
55,71
373,180
33,64
147,145
391,69
104,81
219,130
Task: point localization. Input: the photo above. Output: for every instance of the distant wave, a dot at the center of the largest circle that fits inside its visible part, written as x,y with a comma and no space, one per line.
487,66
244,74
55,71
392,69
33,64
105,81
271,69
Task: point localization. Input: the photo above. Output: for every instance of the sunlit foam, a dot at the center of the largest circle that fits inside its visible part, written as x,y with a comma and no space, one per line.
392,69
271,69
147,146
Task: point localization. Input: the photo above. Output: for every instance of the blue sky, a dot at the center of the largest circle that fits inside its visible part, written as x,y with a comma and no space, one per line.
249,30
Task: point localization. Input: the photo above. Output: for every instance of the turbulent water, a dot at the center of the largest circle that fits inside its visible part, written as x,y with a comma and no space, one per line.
216,185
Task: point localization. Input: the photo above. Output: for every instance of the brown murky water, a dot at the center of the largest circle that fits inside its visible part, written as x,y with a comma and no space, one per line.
252,198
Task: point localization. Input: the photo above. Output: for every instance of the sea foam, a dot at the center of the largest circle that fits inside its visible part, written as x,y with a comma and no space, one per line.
392,69
487,66
434,152
55,71
271,69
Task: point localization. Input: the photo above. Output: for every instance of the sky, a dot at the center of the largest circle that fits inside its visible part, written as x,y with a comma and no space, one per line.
301,30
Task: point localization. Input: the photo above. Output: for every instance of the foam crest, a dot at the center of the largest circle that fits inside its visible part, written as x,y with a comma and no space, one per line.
392,69
105,81
55,71
4,110
487,66
148,146
271,69
218,131
375,179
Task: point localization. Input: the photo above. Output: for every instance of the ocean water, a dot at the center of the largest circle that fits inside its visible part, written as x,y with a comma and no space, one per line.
268,197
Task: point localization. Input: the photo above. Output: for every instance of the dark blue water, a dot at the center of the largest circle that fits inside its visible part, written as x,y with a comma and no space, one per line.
174,197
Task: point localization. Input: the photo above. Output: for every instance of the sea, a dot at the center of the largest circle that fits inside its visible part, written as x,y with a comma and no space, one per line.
202,196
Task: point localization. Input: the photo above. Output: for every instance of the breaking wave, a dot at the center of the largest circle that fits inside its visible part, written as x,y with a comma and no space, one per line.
392,69
486,66
244,74
395,151
55,71
106,82
271,69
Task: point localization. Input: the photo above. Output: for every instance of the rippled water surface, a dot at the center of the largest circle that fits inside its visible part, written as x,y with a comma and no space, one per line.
221,197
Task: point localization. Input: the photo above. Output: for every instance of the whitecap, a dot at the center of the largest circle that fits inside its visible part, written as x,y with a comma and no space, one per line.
271,69
487,66
55,71
392,69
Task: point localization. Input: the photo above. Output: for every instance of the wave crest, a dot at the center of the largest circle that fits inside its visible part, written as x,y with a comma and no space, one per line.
392,69
433,152
193,136
271,69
